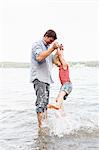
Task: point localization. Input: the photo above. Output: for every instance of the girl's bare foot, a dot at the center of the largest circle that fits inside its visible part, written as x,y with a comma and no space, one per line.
53,106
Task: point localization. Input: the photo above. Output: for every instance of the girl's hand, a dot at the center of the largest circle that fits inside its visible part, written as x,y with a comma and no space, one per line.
61,47
60,50
55,46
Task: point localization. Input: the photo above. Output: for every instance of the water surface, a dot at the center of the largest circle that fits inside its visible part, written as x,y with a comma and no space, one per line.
79,130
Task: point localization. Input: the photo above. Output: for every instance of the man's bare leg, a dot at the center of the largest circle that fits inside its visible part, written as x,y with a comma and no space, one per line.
39,116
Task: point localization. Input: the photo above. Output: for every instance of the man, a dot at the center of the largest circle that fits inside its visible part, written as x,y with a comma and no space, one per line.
41,66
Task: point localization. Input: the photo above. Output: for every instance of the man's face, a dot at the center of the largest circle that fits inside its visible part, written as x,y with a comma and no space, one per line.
49,40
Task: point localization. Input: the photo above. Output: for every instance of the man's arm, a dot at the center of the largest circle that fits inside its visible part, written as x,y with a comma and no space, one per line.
45,54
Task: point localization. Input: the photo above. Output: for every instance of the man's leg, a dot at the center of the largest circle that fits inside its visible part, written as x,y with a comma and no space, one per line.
42,93
39,116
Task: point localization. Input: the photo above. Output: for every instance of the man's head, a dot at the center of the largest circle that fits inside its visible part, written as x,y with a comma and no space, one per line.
50,36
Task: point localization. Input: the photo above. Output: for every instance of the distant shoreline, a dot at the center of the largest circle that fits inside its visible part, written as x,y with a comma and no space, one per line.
27,65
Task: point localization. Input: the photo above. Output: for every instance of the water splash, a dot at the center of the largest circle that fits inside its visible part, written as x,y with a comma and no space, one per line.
72,124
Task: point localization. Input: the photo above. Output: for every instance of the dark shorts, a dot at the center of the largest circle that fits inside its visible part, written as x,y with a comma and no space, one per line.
66,87
42,93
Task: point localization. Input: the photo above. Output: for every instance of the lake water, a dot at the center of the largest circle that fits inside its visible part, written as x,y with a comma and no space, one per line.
78,130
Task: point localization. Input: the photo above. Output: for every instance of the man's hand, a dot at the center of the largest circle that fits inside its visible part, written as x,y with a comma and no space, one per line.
55,46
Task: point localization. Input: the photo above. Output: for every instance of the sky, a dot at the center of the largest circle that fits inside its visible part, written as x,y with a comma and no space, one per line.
23,22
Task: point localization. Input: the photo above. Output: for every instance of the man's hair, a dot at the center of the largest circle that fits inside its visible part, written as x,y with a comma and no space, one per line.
51,33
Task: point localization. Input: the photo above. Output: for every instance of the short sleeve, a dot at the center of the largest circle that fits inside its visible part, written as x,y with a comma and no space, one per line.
36,49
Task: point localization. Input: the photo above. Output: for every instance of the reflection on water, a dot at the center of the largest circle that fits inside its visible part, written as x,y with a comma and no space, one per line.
43,139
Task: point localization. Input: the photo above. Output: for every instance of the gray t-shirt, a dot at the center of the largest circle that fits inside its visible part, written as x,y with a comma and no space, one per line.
41,70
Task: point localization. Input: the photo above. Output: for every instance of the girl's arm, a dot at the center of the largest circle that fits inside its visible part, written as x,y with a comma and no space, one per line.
56,60
62,60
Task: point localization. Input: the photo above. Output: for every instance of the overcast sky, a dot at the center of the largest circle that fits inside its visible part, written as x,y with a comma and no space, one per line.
76,23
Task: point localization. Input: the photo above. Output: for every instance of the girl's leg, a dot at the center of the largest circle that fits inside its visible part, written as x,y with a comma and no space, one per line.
59,99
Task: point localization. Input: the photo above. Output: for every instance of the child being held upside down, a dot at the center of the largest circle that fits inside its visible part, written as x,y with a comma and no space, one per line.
66,84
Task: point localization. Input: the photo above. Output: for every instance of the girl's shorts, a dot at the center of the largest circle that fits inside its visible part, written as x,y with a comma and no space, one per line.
66,87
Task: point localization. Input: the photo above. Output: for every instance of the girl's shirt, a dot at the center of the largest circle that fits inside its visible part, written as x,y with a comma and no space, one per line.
64,74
